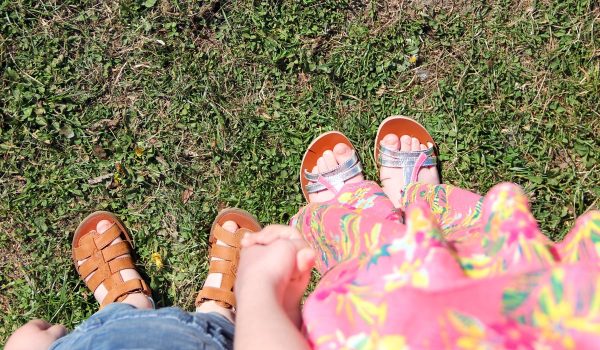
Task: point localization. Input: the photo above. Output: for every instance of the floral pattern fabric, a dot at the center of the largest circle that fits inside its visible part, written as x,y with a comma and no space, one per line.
464,272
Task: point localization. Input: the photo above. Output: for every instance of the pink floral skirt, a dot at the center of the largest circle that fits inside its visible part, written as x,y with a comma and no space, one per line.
465,272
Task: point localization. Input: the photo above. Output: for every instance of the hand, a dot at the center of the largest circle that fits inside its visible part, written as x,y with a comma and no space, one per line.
276,258
35,335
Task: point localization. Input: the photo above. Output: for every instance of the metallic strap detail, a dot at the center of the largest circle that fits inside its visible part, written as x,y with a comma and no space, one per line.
336,177
404,154
400,159
403,163
406,159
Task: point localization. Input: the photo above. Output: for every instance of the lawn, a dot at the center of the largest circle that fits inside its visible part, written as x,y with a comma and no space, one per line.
165,111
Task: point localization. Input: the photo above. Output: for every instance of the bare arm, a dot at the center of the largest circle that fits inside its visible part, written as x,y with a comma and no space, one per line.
273,273
262,324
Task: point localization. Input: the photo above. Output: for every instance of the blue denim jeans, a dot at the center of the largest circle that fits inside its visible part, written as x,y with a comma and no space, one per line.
122,326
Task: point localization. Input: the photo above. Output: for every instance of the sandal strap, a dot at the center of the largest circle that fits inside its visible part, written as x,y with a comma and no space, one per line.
348,163
123,289
107,254
224,252
227,266
336,177
222,266
105,261
109,270
228,253
410,161
223,297
398,159
94,241
231,239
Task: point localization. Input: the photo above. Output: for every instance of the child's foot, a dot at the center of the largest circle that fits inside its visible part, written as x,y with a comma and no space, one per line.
136,299
329,161
392,179
228,229
214,280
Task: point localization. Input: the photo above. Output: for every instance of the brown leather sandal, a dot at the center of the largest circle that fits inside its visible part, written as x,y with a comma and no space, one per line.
105,260
229,254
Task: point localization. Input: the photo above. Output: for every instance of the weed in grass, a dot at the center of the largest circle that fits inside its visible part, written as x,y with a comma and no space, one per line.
131,106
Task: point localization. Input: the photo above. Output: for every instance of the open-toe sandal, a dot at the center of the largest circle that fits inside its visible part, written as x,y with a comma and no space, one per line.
334,179
104,259
410,161
228,254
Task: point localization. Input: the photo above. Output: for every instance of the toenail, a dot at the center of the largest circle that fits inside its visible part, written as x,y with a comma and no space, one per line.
340,148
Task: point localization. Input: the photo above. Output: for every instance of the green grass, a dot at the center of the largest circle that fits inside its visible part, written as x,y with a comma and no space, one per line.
161,96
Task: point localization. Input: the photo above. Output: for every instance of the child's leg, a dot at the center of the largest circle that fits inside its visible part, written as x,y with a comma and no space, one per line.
352,224
582,243
364,298
122,326
455,209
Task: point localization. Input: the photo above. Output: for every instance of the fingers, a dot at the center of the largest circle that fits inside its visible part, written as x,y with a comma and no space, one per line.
305,259
35,334
264,238
270,234
282,231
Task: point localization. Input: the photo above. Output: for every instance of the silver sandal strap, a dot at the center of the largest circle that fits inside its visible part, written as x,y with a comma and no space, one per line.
399,159
404,154
336,177
347,164
406,160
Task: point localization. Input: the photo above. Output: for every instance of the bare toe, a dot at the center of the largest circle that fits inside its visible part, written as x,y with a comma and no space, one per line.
321,165
405,143
392,178
230,226
103,225
415,144
315,197
428,174
389,175
330,161
391,141
342,153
